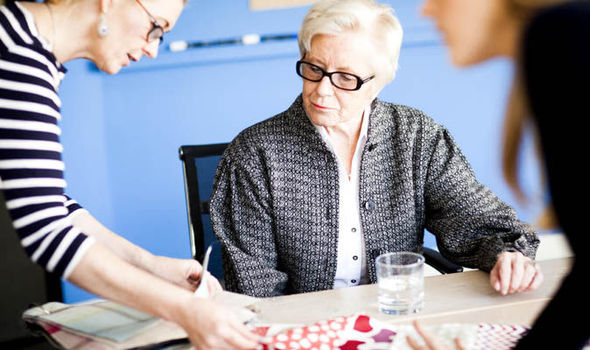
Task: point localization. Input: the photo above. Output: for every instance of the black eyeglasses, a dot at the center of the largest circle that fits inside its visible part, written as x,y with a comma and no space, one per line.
341,80
157,31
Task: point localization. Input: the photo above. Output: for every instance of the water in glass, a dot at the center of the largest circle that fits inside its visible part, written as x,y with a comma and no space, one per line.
400,280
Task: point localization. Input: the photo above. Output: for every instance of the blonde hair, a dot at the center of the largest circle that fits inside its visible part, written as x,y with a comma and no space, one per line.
333,17
2,2
518,113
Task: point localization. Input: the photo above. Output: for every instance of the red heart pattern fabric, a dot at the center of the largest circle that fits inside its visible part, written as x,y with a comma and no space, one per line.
344,333
363,332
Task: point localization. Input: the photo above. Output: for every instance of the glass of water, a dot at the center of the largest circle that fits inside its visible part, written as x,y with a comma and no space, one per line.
400,278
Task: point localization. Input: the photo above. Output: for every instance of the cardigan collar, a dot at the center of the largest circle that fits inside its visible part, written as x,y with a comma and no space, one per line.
379,128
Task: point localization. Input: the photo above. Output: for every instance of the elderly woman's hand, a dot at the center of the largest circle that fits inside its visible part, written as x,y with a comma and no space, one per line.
515,273
431,342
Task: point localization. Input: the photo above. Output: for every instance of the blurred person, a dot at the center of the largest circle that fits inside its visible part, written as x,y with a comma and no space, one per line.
549,44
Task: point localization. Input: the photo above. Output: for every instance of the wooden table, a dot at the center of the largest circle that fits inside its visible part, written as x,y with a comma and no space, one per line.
463,297
458,298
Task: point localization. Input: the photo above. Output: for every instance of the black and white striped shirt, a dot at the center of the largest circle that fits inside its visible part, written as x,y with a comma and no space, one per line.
31,169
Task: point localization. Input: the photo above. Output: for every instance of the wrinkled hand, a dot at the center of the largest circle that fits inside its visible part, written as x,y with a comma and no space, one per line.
183,272
432,342
515,273
210,326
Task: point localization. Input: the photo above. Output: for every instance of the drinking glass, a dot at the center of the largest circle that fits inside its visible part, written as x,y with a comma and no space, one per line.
400,279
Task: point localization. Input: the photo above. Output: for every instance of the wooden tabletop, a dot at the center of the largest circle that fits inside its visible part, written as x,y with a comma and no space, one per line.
458,298
463,297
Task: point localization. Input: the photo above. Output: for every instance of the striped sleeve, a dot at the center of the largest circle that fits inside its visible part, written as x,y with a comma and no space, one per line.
31,167
74,209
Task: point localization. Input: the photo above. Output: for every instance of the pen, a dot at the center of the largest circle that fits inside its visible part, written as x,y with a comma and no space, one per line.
202,289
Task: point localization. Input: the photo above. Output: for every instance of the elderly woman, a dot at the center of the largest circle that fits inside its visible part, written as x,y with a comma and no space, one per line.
35,40
306,200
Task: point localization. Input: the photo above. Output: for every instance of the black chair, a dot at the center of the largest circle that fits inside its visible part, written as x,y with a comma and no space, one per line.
439,262
199,165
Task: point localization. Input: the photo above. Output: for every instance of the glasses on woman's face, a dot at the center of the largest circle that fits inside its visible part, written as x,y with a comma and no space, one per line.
157,31
341,80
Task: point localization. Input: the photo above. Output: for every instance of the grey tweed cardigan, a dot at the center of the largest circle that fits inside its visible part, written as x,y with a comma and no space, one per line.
274,205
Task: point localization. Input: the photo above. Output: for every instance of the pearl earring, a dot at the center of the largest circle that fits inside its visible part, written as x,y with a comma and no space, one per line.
103,27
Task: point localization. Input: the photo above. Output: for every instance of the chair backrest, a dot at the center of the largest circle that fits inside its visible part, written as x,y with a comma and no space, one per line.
199,163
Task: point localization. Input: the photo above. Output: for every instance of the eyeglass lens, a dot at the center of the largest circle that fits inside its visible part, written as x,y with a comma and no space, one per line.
156,33
341,80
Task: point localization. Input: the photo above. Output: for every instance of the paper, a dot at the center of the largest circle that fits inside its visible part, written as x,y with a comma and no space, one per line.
102,319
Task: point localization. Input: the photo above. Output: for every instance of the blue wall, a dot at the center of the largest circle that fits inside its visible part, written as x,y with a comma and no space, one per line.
121,133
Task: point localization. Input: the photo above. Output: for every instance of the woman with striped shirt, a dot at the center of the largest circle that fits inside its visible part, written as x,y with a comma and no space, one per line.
35,40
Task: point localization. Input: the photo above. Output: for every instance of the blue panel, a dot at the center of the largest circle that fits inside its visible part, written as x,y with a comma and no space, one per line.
168,108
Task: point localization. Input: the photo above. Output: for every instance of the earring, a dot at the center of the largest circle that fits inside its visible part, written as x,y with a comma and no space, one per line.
103,27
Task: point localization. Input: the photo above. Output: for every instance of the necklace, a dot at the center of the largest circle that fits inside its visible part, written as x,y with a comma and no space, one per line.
52,43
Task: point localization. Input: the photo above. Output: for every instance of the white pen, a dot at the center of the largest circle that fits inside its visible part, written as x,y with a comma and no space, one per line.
202,290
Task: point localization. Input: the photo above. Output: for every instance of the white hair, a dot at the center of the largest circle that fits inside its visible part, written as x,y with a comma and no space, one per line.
332,17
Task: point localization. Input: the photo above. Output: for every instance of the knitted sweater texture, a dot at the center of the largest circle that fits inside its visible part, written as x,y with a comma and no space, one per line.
274,206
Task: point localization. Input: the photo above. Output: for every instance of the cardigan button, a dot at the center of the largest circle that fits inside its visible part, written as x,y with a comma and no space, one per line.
369,205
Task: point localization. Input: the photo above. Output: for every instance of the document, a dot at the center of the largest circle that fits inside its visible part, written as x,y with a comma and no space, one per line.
101,324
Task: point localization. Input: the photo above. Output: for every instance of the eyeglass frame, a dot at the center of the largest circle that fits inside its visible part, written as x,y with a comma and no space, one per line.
155,26
359,81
